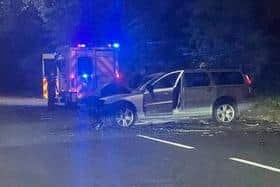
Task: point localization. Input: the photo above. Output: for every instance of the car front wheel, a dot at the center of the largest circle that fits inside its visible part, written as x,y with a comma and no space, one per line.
125,116
225,113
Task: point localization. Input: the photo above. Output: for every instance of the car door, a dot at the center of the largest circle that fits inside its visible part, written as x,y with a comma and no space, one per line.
161,99
198,93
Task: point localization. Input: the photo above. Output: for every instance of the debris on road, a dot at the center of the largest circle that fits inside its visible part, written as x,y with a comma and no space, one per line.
252,125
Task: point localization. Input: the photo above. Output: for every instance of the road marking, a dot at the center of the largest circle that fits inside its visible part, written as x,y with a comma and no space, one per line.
166,142
255,164
252,125
46,117
190,131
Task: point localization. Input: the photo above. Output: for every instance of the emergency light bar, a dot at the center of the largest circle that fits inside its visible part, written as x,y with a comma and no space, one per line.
81,45
116,45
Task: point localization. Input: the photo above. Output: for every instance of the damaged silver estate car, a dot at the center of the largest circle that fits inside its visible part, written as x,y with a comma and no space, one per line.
217,94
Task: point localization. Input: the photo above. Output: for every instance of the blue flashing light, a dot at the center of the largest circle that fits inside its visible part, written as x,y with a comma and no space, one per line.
116,45
85,76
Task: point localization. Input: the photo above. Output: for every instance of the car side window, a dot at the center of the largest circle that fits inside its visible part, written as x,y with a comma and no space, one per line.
196,79
223,78
167,82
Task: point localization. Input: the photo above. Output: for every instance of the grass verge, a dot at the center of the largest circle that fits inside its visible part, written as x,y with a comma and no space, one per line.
266,108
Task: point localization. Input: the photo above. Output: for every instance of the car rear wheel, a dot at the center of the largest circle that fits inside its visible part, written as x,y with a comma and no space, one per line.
225,113
125,116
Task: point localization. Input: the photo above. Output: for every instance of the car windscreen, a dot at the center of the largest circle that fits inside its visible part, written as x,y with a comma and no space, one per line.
148,79
167,81
227,78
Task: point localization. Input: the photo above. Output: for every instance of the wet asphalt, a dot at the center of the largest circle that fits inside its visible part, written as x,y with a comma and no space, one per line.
61,148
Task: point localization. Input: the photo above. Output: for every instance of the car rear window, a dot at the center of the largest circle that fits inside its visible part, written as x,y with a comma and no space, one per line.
196,79
224,78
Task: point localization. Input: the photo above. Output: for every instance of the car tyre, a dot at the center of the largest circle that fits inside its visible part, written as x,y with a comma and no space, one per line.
225,113
125,116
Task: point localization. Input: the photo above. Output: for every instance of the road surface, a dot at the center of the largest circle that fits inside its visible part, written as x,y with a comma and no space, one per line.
60,148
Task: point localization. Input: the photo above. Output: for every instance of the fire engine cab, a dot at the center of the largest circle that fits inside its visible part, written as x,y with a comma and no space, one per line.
80,71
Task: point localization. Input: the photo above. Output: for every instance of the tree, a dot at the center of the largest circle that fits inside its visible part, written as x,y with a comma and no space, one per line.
216,32
222,33
21,37
61,19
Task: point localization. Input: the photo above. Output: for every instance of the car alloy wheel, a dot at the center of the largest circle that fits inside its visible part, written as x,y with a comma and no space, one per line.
125,117
225,113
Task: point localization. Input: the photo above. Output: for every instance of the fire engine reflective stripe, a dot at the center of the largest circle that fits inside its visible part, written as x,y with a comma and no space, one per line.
57,87
45,88
105,64
79,87
108,63
72,69
102,65
101,68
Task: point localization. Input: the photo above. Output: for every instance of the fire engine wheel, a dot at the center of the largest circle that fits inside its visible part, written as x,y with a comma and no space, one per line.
125,116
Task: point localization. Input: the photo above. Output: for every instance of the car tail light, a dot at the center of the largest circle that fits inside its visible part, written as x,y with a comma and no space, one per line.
248,80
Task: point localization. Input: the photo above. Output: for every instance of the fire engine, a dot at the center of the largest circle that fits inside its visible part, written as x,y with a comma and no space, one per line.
80,71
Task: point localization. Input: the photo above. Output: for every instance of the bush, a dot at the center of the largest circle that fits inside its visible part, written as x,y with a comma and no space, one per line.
273,102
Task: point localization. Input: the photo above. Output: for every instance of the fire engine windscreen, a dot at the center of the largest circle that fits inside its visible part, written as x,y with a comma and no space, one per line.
85,66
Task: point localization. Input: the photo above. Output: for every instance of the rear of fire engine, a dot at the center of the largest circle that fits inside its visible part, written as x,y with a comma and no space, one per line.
80,72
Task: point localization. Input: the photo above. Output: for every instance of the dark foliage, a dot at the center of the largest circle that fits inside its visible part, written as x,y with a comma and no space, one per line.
155,35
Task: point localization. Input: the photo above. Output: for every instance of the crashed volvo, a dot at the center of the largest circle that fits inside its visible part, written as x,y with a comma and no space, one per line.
182,94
